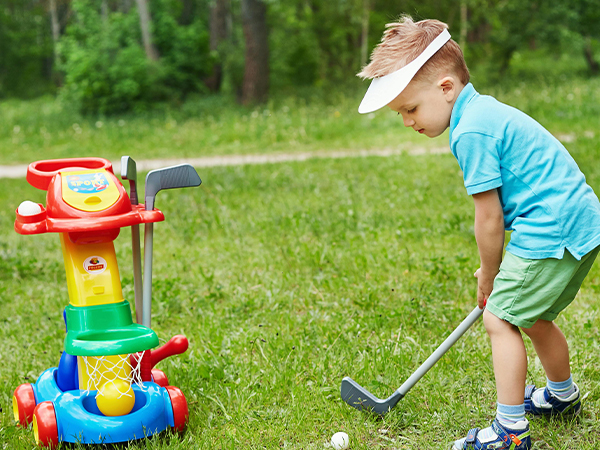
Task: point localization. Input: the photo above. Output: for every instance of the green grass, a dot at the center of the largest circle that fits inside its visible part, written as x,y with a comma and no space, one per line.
288,277
314,120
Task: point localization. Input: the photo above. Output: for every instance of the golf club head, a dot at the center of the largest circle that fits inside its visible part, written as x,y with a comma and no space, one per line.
180,176
358,397
129,172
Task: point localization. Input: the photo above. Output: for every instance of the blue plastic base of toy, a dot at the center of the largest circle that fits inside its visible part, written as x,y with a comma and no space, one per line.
79,420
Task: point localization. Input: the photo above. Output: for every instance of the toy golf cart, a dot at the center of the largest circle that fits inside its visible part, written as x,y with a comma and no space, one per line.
105,389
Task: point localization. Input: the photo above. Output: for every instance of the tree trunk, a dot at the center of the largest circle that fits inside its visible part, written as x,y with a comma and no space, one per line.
255,87
589,56
364,38
104,11
125,5
187,12
219,32
464,25
55,24
146,24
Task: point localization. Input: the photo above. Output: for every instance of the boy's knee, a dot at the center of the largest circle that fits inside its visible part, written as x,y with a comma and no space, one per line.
495,325
540,328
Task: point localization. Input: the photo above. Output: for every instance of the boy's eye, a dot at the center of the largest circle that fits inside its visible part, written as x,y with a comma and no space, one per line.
410,111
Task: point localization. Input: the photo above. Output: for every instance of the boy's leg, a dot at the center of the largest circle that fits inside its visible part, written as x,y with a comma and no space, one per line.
561,395
510,368
509,357
551,347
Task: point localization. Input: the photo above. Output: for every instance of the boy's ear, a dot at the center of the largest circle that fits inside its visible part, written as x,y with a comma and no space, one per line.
448,87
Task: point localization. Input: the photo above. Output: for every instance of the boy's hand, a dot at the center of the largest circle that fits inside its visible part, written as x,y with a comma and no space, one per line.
485,284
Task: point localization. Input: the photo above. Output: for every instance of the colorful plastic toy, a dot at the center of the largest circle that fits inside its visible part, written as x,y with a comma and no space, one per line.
105,388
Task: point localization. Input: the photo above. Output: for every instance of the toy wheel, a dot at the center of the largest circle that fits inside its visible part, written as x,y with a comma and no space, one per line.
24,404
180,407
45,429
160,378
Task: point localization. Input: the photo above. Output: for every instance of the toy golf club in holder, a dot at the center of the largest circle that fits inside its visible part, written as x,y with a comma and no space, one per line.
129,173
105,389
358,397
173,177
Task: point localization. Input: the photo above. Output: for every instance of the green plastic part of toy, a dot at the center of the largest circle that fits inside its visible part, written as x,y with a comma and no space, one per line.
103,330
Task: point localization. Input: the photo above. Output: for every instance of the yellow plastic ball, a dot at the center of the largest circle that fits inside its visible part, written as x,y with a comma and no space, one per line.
115,398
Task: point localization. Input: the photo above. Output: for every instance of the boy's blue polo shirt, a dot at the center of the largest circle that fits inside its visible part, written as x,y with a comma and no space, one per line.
546,202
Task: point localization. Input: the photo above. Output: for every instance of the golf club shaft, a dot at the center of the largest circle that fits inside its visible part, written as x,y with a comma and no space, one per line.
440,351
137,271
147,301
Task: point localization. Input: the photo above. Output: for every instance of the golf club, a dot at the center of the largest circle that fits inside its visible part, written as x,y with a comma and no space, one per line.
173,177
129,173
358,397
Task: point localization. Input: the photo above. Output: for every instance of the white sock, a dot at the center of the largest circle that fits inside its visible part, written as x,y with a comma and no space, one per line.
509,415
562,389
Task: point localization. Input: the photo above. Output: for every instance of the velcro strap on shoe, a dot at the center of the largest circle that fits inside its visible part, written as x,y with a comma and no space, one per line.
515,439
548,396
507,438
529,390
471,436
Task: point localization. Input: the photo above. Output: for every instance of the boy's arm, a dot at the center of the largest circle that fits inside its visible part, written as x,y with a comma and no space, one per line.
489,233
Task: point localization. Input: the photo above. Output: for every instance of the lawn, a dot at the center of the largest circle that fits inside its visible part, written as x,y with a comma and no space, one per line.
288,277
311,120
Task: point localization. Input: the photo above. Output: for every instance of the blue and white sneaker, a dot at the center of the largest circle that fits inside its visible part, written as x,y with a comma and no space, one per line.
551,404
497,437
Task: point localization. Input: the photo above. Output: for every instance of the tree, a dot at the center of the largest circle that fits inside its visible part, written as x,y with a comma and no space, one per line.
146,27
25,49
255,87
219,32
586,22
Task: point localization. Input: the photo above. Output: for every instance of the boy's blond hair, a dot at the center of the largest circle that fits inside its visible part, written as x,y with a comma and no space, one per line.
404,40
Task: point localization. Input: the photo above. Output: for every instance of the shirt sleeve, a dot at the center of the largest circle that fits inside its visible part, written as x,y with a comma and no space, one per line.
478,156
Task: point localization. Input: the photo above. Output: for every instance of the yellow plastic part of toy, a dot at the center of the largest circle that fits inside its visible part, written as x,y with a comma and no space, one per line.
15,408
89,190
95,371
92,273
36,433
115,398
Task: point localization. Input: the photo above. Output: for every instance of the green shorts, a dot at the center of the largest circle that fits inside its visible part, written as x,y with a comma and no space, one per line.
526,290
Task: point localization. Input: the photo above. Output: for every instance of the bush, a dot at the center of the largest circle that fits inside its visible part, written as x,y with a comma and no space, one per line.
106,68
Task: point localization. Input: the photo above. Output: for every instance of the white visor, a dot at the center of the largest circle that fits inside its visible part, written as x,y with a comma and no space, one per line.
385,89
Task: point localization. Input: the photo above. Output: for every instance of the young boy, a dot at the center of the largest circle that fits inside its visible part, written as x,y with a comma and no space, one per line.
521,179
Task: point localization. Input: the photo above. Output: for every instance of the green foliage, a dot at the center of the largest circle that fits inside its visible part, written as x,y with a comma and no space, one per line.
25,49
107,70
183,48
298,62
316,43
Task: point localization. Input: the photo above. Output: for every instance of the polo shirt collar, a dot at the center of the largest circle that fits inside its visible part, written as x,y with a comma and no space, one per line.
461,103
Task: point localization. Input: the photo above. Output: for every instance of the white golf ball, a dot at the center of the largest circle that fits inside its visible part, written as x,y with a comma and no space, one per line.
28,208
340,440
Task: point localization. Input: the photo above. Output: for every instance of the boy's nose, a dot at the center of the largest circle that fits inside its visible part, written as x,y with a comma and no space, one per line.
408,122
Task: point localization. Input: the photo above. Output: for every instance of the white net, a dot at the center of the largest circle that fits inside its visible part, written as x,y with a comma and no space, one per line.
97,371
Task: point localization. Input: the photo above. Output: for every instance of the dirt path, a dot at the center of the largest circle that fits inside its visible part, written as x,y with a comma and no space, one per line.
20,171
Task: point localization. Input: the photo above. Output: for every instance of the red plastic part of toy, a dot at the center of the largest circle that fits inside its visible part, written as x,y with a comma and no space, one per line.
25,403
176,346
60,217
90,223
47,430
160,378
180,407
40,173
